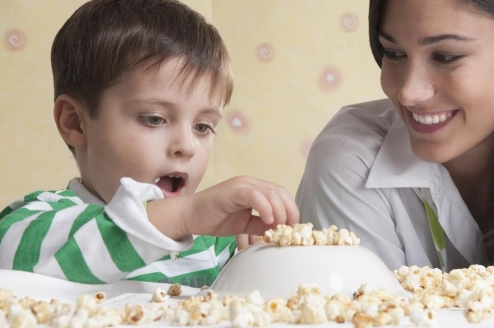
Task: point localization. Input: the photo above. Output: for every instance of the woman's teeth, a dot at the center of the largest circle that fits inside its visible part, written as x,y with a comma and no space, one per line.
431,119
156,180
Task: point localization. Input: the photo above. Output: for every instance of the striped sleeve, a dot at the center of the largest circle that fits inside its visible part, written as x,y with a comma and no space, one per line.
198,266
56,234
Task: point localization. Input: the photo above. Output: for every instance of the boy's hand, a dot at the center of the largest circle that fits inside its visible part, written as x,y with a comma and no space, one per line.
246,240
226,209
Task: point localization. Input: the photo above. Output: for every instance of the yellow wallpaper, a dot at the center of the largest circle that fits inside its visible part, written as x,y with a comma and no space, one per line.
295,63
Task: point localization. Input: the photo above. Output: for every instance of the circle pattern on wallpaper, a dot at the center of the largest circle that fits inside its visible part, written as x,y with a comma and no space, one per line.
305,147
265,52
238,122
330,79
349,22
14,39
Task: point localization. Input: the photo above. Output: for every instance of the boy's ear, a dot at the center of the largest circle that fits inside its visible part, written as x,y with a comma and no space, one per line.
69,115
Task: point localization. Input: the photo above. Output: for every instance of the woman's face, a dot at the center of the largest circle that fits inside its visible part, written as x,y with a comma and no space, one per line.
438,70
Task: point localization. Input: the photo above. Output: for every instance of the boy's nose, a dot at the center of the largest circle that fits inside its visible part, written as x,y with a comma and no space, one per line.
183,144
417,86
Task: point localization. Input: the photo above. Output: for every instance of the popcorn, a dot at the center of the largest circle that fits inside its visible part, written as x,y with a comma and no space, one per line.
471,289
174,255
100,297
160,296
254,297
312,314
368,308
240,316
335,311
432,301
87,302
180,317
175,290
423,318
362,320
19,317
278,310
302,234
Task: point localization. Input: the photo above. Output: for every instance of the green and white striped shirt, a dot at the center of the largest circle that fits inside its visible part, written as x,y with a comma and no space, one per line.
71,234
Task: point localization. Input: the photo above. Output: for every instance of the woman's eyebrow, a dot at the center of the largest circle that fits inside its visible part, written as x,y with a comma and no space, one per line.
388,37
442,37
431,39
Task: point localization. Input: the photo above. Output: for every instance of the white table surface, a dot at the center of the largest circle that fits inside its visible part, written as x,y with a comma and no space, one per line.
120,293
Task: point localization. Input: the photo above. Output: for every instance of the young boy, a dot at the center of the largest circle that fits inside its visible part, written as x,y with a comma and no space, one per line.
139,90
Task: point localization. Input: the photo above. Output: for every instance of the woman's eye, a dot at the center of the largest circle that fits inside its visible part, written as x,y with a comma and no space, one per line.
204,128
393,55
445,58
153,120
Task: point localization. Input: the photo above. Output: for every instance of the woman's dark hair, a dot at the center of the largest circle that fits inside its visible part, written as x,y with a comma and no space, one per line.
375,10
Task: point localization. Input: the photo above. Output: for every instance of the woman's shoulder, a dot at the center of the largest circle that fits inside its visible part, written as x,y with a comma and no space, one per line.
369,117
362,125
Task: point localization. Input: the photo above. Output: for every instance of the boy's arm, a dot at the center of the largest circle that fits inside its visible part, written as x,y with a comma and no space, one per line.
225,210
56,234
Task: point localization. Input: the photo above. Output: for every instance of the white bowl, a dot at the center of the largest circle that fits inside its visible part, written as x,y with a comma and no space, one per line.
277,271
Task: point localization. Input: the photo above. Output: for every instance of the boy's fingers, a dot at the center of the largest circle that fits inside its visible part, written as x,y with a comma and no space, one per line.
246,240
273,203
292,212
277,206
256,226
253,240
243,241
285,209
258,201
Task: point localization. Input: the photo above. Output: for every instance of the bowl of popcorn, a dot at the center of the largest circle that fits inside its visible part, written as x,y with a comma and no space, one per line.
290,256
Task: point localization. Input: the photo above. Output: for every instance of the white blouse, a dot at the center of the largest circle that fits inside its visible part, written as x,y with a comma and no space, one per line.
361,174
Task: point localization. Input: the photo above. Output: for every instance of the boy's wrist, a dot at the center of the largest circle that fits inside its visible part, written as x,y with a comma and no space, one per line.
169,216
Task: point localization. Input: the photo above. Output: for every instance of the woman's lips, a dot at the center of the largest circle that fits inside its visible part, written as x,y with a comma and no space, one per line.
429,122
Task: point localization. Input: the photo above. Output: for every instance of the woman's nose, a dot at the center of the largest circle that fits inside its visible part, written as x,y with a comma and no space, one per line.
417,86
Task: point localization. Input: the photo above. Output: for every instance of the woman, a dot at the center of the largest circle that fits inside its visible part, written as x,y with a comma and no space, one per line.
412,175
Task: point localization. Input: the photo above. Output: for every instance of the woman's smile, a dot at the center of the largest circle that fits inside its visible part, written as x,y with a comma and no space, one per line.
429,122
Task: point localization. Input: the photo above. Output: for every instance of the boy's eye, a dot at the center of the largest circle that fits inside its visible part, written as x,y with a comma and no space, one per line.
204,128
393,55
153,120
446,58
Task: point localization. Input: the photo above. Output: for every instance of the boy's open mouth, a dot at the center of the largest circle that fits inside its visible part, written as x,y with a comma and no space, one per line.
171,183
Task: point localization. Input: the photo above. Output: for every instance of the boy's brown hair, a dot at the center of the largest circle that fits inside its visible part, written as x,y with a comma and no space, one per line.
104,39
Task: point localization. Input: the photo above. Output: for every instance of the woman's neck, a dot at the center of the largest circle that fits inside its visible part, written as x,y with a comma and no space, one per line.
473,175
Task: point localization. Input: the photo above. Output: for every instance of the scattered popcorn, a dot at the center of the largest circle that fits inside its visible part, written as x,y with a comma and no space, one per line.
240,316
255,297
471,289
175,290
19,317
160,296
278,310
174,255
423,318
302,234
99,297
